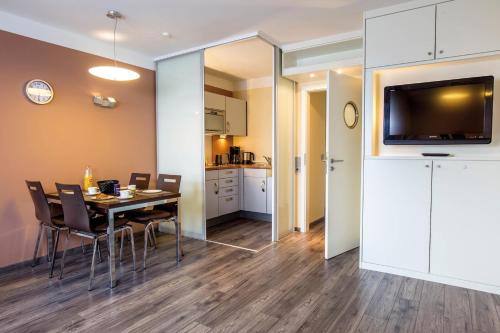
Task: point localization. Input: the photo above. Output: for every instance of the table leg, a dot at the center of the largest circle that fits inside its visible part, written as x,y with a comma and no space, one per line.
111,248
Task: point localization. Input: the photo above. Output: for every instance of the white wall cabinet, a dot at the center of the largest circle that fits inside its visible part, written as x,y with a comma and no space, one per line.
396,213
212,198
466,220
215,101
466,27
236,117
400,38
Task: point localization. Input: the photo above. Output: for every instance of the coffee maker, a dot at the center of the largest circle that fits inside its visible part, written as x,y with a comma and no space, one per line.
234,155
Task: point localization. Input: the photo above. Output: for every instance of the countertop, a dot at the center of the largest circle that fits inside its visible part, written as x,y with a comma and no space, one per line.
238,166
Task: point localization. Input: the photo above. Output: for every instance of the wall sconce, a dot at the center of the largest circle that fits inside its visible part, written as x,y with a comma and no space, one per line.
105,102
222,136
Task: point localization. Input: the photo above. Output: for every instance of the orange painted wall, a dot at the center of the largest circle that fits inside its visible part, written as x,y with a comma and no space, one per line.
55,142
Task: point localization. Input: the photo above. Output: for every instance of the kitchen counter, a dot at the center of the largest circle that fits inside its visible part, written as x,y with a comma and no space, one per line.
238,166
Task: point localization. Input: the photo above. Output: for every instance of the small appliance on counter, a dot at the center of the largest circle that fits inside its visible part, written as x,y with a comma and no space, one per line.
234,155
221,159
248,158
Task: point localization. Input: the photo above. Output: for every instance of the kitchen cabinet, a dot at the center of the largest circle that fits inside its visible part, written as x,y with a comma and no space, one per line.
236,117
255,190
212,198
466,27
400,38
228,204
269,195
215,101
466,220
396,213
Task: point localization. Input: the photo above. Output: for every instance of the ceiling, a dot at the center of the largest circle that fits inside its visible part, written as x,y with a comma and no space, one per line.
192,23
248,59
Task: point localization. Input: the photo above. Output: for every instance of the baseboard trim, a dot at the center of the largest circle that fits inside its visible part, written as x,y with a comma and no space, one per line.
239,215
431,277
321,219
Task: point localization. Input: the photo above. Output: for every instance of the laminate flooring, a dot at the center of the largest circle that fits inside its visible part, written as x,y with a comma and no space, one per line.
287,287
250,234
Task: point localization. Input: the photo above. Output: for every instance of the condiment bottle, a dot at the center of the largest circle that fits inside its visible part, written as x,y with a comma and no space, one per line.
88,180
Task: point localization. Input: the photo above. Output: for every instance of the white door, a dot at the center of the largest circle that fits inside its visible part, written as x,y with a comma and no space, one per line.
466,220
396,213
343,176
236,116
180,119
401,38
466,27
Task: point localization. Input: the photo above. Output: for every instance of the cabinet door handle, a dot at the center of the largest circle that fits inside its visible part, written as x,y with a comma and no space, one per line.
263,186
429,53
229,181
228,126
427,166
441,51
216,188
229,199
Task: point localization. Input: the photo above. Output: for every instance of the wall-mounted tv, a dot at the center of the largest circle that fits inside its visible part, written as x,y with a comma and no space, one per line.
439,113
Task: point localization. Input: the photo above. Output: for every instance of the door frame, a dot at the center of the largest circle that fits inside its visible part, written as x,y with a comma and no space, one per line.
303,153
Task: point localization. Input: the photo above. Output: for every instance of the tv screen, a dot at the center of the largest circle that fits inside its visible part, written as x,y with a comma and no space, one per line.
439,113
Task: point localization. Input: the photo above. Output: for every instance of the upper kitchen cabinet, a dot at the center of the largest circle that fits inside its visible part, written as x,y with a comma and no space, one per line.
466,27
215,101
400,38
236,117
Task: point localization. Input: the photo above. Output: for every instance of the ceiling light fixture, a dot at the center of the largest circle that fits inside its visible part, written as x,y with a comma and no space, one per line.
166,34
114,72
312,75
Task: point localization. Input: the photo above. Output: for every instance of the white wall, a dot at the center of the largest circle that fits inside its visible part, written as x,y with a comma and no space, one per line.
374,103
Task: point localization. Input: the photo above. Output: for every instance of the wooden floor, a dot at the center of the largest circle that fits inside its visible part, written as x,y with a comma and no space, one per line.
287,287
250,234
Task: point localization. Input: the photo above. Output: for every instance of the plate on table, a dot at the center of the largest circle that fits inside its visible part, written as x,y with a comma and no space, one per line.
125,198
103,197
151,191
91,195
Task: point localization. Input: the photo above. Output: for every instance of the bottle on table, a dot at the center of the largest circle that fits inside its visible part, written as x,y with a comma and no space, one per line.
88,180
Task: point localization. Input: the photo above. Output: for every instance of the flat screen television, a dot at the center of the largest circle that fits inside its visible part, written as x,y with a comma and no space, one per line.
439,113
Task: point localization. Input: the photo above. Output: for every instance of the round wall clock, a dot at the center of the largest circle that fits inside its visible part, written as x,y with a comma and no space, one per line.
39,91
351,115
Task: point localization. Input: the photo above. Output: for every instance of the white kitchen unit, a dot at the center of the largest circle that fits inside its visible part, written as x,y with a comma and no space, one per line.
221,192
430,32
215,101
466,27
269,204
396,214
255,190
411,41
236,117
466,220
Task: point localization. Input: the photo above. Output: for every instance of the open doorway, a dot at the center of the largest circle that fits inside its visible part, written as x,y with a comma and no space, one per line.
239,144
329,146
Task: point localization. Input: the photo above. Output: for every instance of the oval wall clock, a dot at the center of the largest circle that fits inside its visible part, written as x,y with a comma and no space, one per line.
351,115
39,91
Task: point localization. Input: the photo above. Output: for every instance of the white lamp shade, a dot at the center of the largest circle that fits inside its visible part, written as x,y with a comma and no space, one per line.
114,73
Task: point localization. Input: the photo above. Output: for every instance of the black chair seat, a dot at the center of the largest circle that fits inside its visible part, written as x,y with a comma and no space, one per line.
100,224
146,216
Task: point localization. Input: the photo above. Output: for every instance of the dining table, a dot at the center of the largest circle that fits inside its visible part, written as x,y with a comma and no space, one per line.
115,205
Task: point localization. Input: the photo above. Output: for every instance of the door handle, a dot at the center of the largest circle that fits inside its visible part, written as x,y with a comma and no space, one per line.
336,161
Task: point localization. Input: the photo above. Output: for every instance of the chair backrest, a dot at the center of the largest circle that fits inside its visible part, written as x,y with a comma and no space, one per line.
42,208
169,183
75,211
140,180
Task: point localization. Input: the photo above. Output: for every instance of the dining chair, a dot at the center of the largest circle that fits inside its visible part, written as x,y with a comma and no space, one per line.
161,213
82,223
140,180
50,218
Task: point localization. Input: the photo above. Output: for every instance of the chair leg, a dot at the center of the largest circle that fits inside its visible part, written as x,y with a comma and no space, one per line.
150,236
99,252
92,266
121,244
54,252
82,245
177,242
48,234
146,235
180,235
35,254
154,235
65,246
132,245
